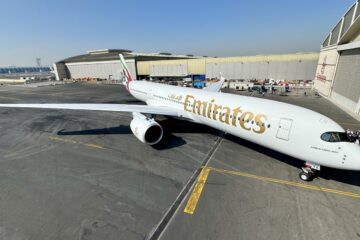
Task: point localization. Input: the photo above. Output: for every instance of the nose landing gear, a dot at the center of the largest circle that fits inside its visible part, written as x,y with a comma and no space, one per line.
309,171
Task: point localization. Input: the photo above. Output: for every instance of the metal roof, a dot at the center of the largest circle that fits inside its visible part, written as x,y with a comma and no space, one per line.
345,29
113,54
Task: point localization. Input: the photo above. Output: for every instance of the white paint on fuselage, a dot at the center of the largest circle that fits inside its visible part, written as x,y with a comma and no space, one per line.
307,126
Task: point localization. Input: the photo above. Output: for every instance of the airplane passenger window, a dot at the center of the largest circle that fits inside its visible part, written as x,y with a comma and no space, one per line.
335,137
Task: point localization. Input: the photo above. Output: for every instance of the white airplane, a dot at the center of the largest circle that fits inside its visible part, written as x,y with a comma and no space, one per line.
292,130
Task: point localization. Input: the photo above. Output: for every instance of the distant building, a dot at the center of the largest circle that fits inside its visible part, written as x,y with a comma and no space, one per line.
23,70
338,71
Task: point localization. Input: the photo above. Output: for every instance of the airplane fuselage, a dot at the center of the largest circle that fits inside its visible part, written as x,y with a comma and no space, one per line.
285,128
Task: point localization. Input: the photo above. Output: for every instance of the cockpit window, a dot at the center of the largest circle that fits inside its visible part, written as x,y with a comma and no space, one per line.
335,137
326,137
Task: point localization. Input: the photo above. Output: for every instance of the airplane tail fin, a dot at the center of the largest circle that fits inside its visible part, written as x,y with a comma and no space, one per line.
216,87
125,71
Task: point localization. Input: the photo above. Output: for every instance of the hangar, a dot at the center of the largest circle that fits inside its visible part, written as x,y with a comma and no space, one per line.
104,64
338,71
297,66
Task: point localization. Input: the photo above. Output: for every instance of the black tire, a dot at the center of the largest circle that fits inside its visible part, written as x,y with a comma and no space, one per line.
305,176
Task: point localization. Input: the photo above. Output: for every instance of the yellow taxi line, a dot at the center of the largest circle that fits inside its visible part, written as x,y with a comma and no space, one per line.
196,193
76,142
12,98
284,182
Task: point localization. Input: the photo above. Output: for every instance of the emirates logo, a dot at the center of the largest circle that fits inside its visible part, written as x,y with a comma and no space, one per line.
323,65
321,76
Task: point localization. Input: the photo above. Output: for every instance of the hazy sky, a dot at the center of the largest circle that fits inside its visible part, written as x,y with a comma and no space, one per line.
54,30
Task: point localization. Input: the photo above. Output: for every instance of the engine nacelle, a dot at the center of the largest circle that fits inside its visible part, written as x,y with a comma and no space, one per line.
145,129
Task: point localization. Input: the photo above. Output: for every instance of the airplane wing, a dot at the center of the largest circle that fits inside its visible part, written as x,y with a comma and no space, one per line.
158,110
215,87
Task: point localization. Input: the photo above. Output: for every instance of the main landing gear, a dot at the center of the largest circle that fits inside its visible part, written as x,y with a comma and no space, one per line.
309,171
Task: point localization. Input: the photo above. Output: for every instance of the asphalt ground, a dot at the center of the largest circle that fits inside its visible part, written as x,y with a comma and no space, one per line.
83,175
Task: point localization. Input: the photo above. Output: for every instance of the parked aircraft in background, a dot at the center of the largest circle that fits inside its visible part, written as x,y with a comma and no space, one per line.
289,129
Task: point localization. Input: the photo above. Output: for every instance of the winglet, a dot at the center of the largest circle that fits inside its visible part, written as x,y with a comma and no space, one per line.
216,87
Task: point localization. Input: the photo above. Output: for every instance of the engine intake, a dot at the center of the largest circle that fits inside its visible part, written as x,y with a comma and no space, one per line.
147,130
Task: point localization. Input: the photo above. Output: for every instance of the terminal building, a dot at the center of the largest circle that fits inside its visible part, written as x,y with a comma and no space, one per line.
338,71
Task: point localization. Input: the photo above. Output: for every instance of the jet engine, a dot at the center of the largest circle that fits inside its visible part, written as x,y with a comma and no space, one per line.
147,130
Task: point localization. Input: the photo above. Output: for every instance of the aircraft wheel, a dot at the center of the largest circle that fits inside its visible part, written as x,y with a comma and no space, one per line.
306,176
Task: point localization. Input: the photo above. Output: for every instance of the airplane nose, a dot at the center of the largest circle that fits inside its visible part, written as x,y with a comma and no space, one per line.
352,154
356,156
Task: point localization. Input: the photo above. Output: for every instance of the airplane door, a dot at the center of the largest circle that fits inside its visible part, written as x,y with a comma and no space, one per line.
284,129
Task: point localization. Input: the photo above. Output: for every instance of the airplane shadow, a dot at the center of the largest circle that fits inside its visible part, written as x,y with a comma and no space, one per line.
344,176
101,131
172,125
169,125
169,140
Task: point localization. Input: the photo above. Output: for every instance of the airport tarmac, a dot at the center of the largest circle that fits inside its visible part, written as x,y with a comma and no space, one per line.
83,175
